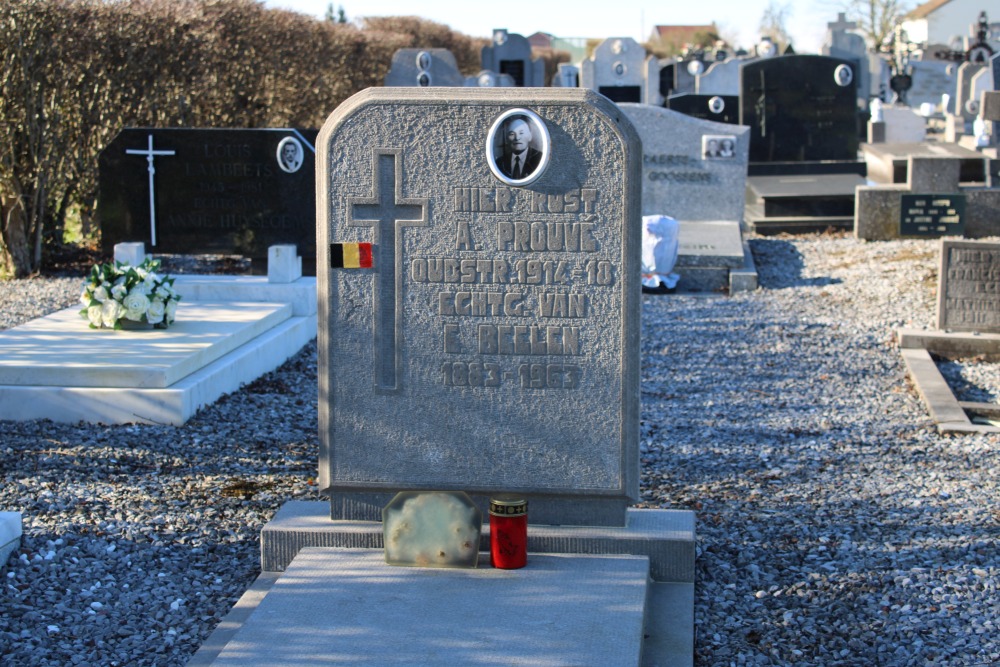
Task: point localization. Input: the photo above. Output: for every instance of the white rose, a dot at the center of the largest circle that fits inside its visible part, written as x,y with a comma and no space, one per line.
101,294
171,311
94,315
110,312
154,314
118,292
135,304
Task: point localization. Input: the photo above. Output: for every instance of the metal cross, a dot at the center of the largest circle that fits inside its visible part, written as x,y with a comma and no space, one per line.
150,154
387,212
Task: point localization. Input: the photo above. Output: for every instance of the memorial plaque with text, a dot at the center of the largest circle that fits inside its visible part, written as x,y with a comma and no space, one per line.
932,215
479,319
969,286
209,191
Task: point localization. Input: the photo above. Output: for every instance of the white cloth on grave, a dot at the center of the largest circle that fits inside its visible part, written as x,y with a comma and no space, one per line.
659,250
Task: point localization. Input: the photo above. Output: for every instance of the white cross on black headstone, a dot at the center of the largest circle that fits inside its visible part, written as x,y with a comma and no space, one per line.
150,154
387,212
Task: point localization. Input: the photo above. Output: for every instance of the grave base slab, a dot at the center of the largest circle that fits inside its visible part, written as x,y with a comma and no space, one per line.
666,537
949,414
131,386
10,534
348,607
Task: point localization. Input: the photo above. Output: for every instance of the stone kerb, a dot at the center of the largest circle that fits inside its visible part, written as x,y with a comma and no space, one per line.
492,344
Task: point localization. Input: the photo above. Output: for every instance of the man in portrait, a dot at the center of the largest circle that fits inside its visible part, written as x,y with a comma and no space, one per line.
519,159
290,156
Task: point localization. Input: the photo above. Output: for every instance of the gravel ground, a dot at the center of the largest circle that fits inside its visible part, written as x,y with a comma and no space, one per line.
835,526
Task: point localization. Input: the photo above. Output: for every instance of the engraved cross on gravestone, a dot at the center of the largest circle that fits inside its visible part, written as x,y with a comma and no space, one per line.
387,212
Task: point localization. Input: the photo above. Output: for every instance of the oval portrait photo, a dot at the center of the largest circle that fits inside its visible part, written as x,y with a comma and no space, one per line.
517,148
290,155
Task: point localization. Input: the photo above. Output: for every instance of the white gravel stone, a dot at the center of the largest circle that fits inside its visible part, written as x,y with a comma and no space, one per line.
835,525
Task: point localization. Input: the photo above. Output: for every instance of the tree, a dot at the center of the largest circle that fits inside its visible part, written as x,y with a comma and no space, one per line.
876,19
772,24
336,16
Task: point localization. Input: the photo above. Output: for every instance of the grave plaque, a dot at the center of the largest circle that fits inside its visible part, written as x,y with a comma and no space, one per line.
932,215
800,108
483,335
718,108
969,286
201,191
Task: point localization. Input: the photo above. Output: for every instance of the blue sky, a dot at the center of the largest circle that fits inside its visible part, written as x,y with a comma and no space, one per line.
590,18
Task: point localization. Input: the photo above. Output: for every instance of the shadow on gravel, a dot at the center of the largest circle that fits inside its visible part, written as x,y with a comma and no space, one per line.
779,265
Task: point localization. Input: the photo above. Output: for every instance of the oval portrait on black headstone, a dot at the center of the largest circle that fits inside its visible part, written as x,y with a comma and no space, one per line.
517,147
290,155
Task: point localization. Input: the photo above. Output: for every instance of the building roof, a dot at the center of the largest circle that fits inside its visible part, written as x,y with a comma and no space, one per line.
680,34
926,9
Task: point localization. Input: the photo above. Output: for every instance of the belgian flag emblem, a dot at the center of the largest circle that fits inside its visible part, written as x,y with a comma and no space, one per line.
351,255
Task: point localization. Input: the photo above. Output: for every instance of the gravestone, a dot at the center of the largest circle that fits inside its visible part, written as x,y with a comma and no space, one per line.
840,43
968,294
721,78
510,53
931,79
703,190
931,203
489,79
678,178
423,68
621,71
966,103
800,108
488,342
209,191
716,108
668,77
479,332
567,76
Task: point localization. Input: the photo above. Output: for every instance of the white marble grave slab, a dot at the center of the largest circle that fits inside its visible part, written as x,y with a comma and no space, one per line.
10,534
346,606
61,350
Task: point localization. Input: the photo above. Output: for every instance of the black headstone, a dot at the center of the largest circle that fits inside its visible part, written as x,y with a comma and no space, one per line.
800,108
622,93
720,108
210,191
668,79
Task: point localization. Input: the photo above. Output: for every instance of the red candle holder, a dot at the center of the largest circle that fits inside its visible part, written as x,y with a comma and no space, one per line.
508,532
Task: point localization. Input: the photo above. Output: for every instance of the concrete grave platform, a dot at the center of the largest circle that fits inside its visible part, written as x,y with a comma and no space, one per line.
10,534
340,606
666,537
800,202
949,414
57,368
712,257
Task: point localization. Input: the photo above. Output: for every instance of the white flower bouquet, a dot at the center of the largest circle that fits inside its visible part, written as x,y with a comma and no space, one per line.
115,293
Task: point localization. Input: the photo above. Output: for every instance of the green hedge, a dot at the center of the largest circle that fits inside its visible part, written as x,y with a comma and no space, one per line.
75,72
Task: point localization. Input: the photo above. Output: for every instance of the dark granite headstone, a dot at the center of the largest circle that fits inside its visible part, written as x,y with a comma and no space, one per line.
718,108
932,215
210,191
668,77
800,108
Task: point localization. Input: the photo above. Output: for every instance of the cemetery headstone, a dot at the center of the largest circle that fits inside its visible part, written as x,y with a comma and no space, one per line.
841,43
968,299
695,172
668,77
209,191
510,53
800,108
966,103
716,108
489,79
479,329
621,71
567,76
424,68
721,78
930,80
681,177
